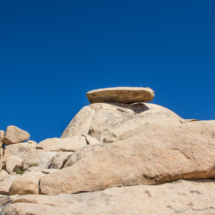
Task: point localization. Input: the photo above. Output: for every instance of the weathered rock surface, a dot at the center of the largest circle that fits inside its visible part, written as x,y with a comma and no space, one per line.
15,135
71,144
21,150
125,95
26,184
12,162
155,155
181,197
1,153
80,123
1,138
58,161
91,140
39,158
3,162
84,152
33,143
6,182
111,122
3,173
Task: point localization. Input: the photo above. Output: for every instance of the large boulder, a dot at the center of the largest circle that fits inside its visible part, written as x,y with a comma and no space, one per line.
111,122
125,95
181,197
6,182
15,135
39,158
21,150
1,138
156,154
12,163
26,184
70,144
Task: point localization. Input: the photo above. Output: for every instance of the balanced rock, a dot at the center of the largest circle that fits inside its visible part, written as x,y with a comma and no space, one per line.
15,135
1,138
125,95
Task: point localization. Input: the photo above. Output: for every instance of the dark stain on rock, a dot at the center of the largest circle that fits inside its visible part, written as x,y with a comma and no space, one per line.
22,149
195,191
149,194
190,204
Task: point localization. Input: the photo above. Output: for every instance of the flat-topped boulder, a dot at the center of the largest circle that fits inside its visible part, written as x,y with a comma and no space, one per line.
15,135
125,95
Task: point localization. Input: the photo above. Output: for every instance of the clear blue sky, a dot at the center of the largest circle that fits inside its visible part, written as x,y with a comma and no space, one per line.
53,52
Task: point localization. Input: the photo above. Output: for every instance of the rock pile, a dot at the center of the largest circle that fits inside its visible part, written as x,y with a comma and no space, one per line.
139,157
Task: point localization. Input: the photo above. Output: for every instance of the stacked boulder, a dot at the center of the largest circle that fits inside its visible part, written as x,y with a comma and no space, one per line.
13,152
139,157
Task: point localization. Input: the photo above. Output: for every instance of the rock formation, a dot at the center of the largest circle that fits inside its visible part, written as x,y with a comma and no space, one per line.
136,157
15,135
125,95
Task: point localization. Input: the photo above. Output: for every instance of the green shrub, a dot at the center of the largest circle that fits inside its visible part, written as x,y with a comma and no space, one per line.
19,171
33,165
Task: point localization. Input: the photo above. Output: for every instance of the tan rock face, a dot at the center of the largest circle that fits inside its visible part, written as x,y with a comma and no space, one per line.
84,152
12,162
71,144
111,122
58,161
5,183
125,95
1,138
157,155
3,162
21,150
3,173
39,158
33,143
91,140
26,184
15,135
170,198
80,123
1,153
